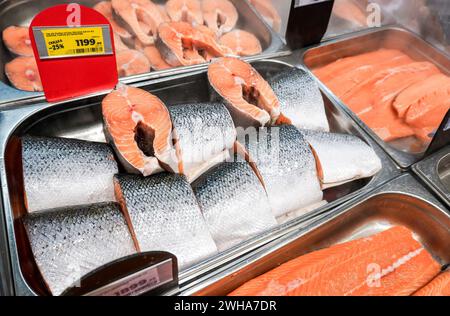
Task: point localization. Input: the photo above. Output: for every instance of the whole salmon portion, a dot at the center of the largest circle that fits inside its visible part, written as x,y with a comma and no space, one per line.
268,12
131,62
242,43
23,74
220,15
185,11
105,8
17,40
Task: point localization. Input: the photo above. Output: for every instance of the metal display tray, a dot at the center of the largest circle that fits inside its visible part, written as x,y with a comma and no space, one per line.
21,13
435,172
402,201
370,40
82,119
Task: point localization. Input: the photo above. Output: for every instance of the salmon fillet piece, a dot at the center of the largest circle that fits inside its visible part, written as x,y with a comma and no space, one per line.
155,58
23,74
185,11
242,43
138,125
220,15
131,62
268,12
344,269
250,99
440,286
105,8
17,40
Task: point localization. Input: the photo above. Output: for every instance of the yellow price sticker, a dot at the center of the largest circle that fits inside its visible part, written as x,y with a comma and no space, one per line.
73,41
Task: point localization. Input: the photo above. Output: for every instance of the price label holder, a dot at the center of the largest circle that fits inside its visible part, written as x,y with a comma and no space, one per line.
441,138
149,273
74,51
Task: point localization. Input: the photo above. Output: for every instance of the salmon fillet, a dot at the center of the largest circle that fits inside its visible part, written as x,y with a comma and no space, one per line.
250,99
220,15
131,62
138,125
154,57
105,8
351,268
440,286
23,74
185,11
268,12
17,40
242,43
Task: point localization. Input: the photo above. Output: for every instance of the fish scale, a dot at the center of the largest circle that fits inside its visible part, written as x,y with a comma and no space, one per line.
300,99
61,172
234,204
288,168
165,216
69,243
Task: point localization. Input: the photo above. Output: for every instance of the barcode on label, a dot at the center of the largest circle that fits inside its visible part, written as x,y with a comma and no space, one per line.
85,50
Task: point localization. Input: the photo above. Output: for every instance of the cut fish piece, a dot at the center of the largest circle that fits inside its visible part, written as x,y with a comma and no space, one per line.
300,99
69,243
242,43
185,11
342,158
287,167
105,8
380,264
131,62
119,45
141,17
202,132
220,15
164,14
181,44
155,58
59,172
138,124
165,216
440,286
23,74
350,11
249,98
234,204
268,12
17,40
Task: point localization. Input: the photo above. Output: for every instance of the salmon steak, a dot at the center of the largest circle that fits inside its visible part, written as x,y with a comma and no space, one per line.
341,158
249,98
23,74
390,263
233,203
220,15
440,286
165,216
138,126
266,9
157,62
105,8
17,40
242,43
131,62
139,17
60,172
69,243
182,44
204,133
189,11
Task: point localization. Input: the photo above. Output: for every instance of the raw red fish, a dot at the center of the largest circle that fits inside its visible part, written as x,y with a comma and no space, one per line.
142,17
440,286
181,44
250,99
105,8
185,11
155,58
388,263
138,125
242,43
268,12
131,62
220,15
17,40
23,74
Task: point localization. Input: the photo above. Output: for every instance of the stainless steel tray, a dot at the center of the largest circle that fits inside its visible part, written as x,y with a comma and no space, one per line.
82,119
21,13
435,172
369,40
401,202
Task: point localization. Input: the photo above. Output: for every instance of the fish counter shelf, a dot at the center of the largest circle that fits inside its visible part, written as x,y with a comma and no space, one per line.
435,172
82,119
13,13
402,49
402,202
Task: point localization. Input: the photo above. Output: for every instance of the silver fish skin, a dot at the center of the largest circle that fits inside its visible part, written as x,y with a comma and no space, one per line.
342,158
234,204
203,132
165,216
300,99
287,167
60,172
69,243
